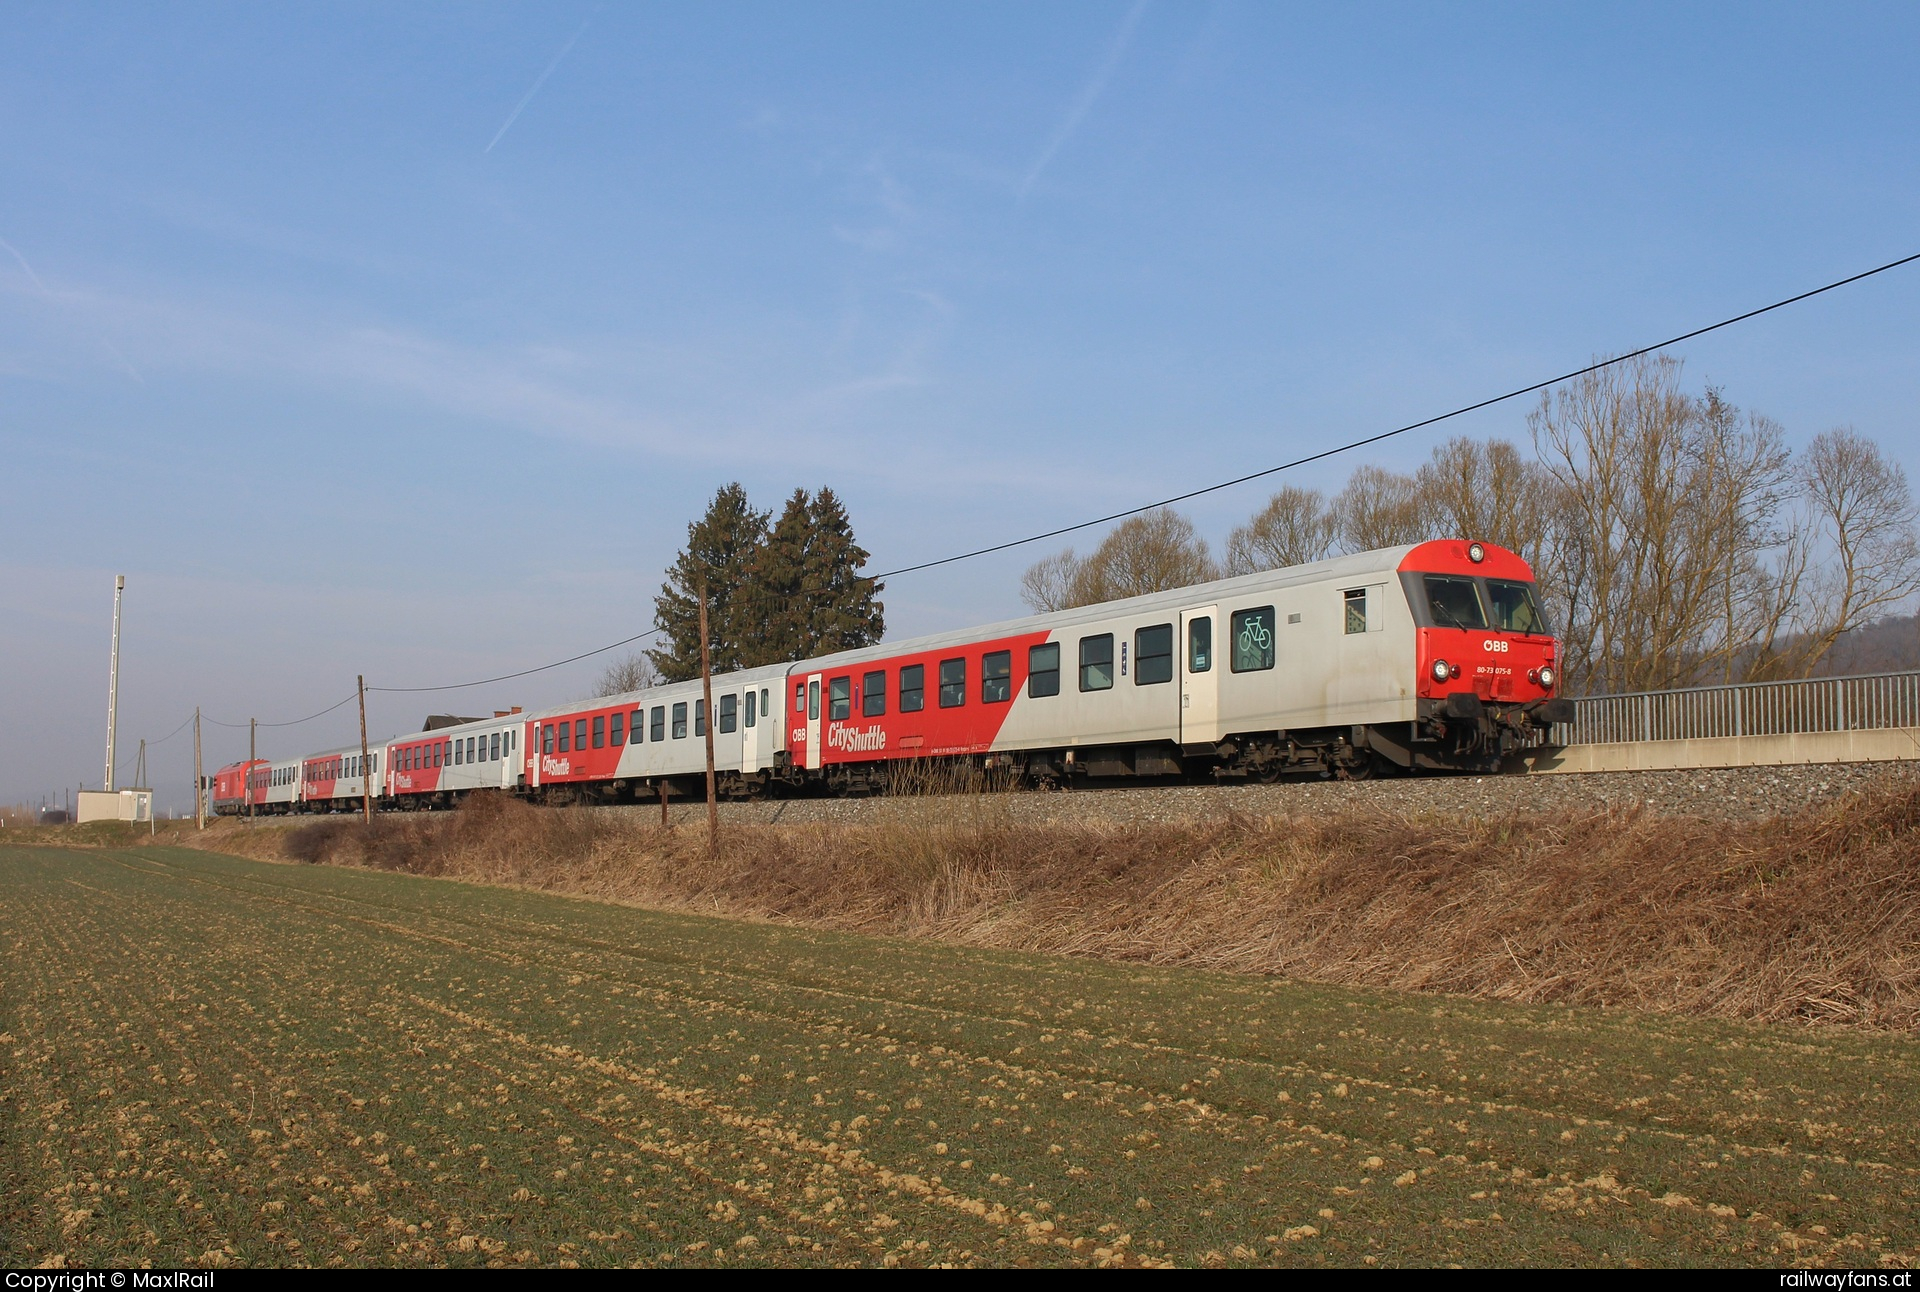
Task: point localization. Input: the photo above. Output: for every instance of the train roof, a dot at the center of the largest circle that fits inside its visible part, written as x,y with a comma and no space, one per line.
1384,561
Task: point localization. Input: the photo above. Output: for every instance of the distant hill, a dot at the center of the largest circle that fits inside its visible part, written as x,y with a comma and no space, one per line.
1882,647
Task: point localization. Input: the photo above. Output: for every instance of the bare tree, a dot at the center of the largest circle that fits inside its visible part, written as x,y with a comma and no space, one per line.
1047,585
1862,519
1152,552
1380,508
632,673
1295,527
1657,560
1486,490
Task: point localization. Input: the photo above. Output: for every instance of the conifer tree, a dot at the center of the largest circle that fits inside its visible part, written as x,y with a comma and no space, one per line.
776,595
720,549
844,610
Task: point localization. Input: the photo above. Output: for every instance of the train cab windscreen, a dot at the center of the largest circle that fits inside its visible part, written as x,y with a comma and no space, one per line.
1514,608
1454,602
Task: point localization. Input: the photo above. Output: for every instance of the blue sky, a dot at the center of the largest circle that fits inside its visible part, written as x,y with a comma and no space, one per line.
356,358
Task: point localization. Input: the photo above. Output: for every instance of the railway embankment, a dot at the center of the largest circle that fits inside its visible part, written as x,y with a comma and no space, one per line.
1780,895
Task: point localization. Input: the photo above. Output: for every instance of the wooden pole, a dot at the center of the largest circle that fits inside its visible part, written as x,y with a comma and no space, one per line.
663,801
199,788
366,764
253,744
706,695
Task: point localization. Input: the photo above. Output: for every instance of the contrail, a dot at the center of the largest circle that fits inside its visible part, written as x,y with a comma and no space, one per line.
125,363
15,253
1088,96
527,98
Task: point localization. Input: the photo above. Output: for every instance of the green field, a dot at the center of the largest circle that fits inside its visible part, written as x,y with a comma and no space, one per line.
215,1061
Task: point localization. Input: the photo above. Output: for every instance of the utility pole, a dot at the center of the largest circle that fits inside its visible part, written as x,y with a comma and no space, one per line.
199,790
706,693
113,680
253,732
366,767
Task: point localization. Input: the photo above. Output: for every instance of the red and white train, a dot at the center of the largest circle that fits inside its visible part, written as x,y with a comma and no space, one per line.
1428,657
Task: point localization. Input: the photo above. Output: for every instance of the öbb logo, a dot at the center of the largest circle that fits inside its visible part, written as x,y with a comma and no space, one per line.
1495,646
852,741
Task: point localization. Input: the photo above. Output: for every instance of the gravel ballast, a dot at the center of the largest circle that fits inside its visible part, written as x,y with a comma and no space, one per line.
1716,793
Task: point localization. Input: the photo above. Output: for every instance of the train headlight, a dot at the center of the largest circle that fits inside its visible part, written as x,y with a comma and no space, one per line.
1476,553
1442,670
1547,676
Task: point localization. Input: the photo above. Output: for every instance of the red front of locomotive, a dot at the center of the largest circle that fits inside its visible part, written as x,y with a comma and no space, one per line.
1487,665
230,787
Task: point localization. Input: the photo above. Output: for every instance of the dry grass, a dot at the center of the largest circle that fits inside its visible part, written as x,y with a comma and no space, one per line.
1810,917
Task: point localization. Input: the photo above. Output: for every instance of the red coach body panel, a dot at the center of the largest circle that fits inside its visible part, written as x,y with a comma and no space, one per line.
932,731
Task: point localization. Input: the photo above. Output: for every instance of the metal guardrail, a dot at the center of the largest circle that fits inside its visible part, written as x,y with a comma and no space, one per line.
1864,703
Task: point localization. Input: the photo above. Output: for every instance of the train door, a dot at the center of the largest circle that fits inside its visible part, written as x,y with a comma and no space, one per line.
752,723
813,722
1199,676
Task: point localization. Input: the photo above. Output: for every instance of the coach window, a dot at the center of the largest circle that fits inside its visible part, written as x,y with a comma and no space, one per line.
493,745
600,731
580,733
637,725
839,699
729,712
799,697
566,737
913,688
1043,670
996,677
1252,640
1096,663
699,717
617,730
546,738
953,683
680,721
470,757
813,700
753,710
873,694
1454,603
659,723
766,701
1153,655
1200,644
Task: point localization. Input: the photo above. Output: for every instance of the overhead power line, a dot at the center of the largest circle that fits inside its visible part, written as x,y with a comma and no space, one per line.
1402,430
296,722
571,659
171,734
1181,497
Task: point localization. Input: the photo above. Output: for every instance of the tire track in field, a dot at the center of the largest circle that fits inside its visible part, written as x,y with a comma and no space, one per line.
718,1005
774,986
902,1181
768,1130
321,1114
